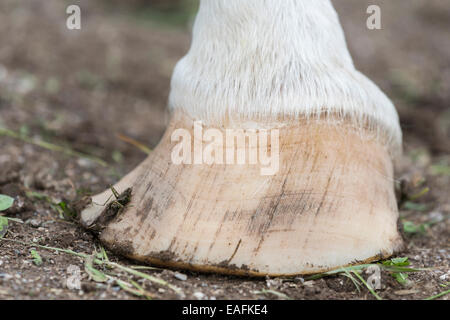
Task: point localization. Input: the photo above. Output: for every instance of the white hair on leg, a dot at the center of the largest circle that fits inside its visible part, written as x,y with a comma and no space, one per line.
266,59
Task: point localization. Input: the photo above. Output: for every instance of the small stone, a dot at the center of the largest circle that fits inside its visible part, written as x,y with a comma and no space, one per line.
6,276
405,292
180,276
273,283
34,223
198,295
299,280
436,216
309,284
85,163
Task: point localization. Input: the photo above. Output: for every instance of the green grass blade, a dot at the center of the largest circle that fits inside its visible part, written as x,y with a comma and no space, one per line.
438,295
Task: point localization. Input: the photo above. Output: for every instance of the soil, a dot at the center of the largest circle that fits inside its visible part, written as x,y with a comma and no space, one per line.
81,89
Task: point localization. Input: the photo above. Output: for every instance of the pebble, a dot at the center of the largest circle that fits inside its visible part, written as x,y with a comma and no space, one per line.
273,283
299,279
6,276
198,295
180,276
309,284
34,223
85,163
436,216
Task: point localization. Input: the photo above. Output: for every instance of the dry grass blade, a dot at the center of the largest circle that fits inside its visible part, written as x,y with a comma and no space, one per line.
135,143
137,291
352,278
145,276
339,270
144,268
438,295
14,219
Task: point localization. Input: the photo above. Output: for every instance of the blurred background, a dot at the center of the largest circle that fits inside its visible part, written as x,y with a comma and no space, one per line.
80,108
83,88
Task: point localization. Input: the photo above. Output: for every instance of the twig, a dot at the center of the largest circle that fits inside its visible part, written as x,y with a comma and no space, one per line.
135,143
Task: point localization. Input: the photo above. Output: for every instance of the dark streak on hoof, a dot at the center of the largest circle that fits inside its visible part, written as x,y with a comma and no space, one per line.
112,211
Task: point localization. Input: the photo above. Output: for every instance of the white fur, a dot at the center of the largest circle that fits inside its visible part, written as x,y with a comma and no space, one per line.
262,59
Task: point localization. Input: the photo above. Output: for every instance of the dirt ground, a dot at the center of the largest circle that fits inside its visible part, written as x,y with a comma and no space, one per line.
81,89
